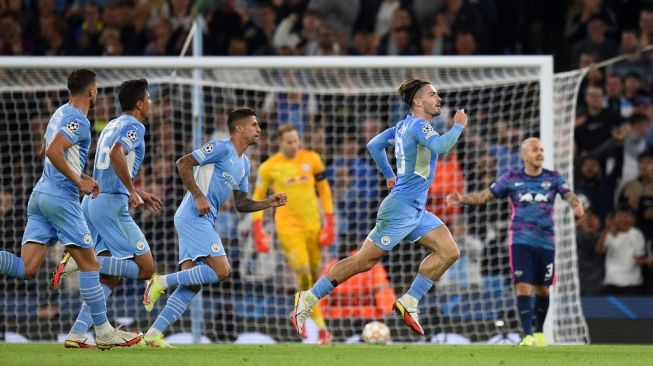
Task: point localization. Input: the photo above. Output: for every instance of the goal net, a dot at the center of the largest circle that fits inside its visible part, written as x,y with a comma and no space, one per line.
337,106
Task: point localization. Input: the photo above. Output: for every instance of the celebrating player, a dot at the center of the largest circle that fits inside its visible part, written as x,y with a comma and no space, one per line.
532,192
297,172
54,212
401,214
120,245
223,167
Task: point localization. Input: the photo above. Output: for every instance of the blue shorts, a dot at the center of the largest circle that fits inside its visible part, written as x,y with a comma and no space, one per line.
197,239
51,218
112,226
397,220
532,265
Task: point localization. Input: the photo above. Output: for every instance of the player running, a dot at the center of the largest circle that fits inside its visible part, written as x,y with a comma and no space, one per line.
532,192
223,168
120,245
401,214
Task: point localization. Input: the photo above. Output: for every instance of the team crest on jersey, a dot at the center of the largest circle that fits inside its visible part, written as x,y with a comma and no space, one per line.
208,148
215,247
140,245
306,166
385,240
545,185
87,239
132,135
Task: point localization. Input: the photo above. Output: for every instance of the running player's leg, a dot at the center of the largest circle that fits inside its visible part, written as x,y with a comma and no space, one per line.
434,235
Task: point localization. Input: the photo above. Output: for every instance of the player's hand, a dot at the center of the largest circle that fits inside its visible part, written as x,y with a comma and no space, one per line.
579,210
328,233
261,238
152,202
88,185
202,204
135,199
391,182
277,199
454,199
460,117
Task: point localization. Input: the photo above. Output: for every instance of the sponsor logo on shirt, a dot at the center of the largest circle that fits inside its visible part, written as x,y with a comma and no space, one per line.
231,181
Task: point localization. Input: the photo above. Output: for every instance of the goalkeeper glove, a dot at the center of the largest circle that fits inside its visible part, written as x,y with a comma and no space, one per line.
328,233
261,238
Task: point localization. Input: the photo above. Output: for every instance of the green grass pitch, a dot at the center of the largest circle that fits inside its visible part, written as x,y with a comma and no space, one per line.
348,355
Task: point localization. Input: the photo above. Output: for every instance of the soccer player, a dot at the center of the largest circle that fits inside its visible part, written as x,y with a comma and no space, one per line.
532,191
54,212
223,167
298,173
120,245
401,214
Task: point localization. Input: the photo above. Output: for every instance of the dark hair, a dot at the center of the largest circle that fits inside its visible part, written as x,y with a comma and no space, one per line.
237,115
644,154
132,92
409,88
287,127
79,80
637,118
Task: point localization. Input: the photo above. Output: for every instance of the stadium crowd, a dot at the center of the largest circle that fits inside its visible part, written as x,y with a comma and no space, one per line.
613,133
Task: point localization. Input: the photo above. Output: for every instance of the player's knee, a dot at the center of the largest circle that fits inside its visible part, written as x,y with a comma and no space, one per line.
523,289
452,254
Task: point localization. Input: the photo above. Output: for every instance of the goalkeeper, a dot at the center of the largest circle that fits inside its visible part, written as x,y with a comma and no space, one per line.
298,173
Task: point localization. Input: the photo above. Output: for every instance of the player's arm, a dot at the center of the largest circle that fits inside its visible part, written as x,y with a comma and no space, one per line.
55,153
244,204
440,144
376,147
569,196
469,199
185,166
118,158
328,233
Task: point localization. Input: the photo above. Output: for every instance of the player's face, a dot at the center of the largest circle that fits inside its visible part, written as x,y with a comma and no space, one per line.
533,154
289,143
145,106
431,101
250,130
92,95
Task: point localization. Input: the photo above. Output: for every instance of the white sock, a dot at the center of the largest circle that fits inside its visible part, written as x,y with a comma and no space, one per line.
409,301
103,329
162,282
153,332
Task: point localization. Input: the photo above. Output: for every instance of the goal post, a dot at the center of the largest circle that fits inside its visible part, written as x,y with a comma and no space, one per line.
336,103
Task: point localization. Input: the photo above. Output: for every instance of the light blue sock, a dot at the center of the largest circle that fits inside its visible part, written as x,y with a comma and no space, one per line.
125,268
175,306
84,320
322,287
93,296
12,265
421,285
198,275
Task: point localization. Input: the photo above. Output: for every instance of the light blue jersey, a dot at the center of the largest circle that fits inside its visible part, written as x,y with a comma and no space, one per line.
130,133
72,124
417,146
220,172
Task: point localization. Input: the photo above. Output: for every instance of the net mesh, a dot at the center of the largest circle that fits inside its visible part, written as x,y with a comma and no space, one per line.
336,112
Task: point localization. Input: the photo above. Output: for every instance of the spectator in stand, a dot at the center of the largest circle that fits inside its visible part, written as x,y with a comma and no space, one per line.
625,254
593,188
595,42
635,62
454,16
111,43
337,14
638,194
465,43
506,147
12,42
576,26
51,40
634,144
614,99
403,36
161,43
237,47
87,35
634,90
591,264
596,124
646,25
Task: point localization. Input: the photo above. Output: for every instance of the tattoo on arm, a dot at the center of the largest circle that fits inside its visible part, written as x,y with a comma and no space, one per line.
571,198
477,198
185,168
244,204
